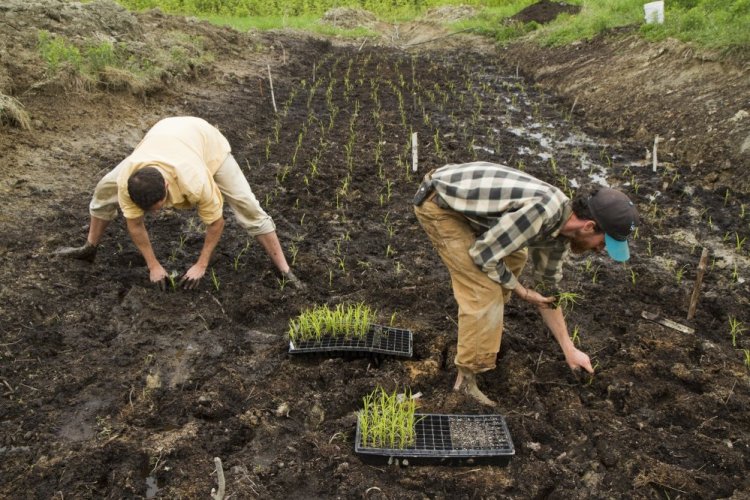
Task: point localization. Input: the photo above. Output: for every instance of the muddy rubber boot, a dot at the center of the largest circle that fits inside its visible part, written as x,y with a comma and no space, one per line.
466,382
87,252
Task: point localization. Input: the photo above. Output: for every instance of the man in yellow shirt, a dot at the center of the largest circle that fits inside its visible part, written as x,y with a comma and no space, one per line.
182,162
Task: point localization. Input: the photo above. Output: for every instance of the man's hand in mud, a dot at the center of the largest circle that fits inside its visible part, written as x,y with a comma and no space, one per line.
158,276
193,276
577,359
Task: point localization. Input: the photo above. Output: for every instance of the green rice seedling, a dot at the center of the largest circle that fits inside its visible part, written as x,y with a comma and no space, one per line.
735,274
172,278
566,300
739,243
215,279
575,336
591,377
726,197
553,165
633,276
746,352
387,420
293,250
237,258
352,320
736,327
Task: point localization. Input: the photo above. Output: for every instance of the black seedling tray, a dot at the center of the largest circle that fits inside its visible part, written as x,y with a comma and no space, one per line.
448,440
382,340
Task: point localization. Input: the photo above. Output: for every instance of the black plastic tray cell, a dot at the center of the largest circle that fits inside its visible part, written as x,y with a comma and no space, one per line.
448,440
379,340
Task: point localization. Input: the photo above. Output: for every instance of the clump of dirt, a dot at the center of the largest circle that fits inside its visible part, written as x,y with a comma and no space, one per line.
349,17
111,388
544,12
448,13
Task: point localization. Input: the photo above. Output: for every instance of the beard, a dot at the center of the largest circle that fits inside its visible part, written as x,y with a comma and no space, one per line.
577,248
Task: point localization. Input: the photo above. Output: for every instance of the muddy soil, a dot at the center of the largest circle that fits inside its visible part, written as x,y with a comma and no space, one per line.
112,389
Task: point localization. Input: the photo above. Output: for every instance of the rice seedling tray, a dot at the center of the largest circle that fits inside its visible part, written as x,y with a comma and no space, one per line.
379,340
458,440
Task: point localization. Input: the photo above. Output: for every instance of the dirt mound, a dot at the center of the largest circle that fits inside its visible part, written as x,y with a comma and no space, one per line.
349,18
544,12
449,13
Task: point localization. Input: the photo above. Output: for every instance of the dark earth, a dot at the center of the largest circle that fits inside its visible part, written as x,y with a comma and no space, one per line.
110,388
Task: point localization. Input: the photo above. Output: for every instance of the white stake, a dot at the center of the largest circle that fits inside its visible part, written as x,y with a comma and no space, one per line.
656,141
414,152
219,495
270,81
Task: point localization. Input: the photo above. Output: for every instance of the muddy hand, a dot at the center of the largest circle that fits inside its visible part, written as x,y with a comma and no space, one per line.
535,298
291,279
192,277
158,276
86,252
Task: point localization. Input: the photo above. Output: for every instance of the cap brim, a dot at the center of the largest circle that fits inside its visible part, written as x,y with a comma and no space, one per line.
617,249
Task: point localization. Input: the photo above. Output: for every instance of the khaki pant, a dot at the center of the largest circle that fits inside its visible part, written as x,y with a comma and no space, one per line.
480,300
229,179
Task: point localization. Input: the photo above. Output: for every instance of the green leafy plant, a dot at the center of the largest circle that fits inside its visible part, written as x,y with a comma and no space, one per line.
566,300
736,327
387,420
237,257
215,279
352,320
575,336
171,277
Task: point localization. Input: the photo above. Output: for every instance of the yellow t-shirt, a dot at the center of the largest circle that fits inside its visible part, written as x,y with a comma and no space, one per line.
187,151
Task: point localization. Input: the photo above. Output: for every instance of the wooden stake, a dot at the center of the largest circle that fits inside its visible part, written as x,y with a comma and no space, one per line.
270,81
697,287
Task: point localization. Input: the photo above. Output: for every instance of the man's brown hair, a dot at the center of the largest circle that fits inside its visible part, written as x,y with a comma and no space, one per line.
146,187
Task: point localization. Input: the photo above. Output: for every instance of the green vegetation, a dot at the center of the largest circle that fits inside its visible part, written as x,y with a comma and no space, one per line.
566,300
736,327
303,23
389,9
713,24
387,420
347,321
707,23
92,62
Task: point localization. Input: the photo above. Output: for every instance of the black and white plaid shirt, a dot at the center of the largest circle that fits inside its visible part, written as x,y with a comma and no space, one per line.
509,210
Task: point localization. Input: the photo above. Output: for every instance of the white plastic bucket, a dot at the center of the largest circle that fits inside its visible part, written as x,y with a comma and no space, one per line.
654,12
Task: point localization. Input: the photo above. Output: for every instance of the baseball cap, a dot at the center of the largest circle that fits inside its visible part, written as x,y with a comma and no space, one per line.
617,216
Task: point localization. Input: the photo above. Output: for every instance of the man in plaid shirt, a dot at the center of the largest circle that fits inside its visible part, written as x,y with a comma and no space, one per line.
486,220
